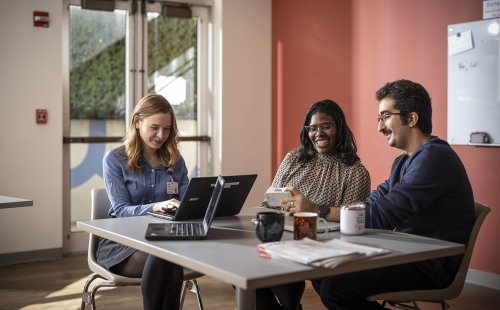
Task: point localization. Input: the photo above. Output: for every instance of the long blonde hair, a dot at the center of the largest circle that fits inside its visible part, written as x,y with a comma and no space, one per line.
168,154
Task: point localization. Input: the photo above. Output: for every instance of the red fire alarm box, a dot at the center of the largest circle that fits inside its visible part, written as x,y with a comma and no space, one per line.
41,19
42,116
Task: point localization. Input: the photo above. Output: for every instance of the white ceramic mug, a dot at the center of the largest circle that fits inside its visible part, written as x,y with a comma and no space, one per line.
352,219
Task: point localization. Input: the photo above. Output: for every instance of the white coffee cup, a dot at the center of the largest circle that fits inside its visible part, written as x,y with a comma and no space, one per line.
352,219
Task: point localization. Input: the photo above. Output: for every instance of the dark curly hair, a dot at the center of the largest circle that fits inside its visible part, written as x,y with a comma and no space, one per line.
409,97
345,144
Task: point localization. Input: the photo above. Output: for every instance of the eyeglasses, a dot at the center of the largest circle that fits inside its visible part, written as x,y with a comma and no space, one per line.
322,127
385,116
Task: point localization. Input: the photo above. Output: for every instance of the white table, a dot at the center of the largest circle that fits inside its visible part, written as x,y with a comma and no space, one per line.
13,202
229,253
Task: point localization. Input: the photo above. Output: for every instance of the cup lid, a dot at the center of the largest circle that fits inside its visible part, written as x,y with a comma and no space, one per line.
354,206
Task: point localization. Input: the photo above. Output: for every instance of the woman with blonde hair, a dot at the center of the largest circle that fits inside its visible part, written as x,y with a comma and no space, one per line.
146,173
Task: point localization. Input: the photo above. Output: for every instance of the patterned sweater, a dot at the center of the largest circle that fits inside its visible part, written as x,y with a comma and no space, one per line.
324,180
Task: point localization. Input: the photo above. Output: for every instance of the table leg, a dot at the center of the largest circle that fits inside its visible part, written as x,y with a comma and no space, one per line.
245,299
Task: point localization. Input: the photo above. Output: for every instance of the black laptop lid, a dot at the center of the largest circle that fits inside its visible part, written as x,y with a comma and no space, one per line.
235,194
195,200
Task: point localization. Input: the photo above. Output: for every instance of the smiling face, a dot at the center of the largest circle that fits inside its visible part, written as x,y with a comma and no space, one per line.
154,130
323,139
391,125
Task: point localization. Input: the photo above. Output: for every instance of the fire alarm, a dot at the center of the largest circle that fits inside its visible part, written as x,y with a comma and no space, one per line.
41,116
41,19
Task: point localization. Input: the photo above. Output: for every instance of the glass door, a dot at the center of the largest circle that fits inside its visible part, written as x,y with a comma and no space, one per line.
172,70
115,57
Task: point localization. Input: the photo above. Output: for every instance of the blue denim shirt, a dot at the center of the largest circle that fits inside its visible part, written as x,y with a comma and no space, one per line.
134,193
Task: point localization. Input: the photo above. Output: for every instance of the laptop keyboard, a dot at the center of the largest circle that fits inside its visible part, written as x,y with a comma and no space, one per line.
185,229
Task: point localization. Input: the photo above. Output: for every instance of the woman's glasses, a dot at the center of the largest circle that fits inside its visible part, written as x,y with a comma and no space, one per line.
322,127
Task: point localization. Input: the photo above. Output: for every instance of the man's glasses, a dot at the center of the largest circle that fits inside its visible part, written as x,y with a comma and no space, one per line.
385,116
322,127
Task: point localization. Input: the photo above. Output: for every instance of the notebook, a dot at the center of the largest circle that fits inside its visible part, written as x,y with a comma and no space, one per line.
188,230
195,201
332,226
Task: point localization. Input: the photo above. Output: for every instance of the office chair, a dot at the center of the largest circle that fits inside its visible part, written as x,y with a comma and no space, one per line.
99,210
409,299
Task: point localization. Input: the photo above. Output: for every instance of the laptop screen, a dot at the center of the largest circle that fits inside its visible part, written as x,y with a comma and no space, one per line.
214,201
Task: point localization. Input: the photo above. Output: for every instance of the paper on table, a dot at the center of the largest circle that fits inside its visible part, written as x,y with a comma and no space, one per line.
322,254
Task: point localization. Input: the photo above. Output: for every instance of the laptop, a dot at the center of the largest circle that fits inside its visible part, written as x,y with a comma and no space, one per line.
188,230
195,200
332,226
194,203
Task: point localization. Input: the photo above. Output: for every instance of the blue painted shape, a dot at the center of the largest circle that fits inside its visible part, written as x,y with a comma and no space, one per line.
92,162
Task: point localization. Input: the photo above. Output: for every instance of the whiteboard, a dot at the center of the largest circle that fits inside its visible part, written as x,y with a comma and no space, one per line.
473,81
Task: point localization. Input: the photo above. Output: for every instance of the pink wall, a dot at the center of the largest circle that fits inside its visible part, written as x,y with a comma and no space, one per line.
346,50
312,60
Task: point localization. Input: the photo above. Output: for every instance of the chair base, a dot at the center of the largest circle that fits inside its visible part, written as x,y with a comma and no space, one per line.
88,297
412,305
192,286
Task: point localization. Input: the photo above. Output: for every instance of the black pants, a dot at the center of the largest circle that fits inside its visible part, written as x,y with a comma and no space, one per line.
349,291
288,295
161,282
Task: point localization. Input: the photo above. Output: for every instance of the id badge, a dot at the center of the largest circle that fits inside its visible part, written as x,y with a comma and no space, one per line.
172,188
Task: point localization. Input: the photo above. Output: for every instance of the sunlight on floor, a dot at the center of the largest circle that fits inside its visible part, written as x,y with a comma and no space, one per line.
72,288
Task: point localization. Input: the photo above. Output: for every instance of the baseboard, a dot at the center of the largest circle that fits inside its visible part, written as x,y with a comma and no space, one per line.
487,279
31,256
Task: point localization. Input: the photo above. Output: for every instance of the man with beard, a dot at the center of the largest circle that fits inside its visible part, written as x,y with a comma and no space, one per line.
428,193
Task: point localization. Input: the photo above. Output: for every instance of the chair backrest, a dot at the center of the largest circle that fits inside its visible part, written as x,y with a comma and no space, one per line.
100,204
99,210
455,288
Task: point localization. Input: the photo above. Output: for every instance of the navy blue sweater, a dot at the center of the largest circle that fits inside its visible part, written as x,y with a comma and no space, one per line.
427,194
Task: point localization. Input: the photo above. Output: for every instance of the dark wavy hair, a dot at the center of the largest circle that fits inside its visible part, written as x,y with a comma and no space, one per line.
345,145
409,97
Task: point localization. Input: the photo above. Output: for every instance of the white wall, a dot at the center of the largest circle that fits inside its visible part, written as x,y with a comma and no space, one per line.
31,77
242,90
30,154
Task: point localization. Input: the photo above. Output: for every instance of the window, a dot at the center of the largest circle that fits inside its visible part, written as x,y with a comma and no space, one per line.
115,57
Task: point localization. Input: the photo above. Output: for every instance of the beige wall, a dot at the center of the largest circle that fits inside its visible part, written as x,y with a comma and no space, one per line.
31,154
242,90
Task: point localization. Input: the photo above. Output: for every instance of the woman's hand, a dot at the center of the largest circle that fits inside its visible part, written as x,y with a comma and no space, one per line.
297,202
168,206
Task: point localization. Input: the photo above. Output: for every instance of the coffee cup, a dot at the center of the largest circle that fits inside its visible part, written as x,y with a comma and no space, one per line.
270,225
305,225
352,219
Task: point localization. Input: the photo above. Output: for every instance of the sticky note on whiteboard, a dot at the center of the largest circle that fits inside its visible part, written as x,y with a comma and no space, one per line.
460,42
